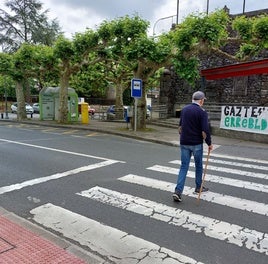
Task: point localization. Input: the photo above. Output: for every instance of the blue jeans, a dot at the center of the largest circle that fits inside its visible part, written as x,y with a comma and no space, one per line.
186,153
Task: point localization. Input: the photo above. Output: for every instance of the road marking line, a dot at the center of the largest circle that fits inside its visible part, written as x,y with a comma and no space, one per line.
238,158
217,179
50,129
57,150
70,132
231,163
231,233
109,242
18,186
226,200
92,134
233,171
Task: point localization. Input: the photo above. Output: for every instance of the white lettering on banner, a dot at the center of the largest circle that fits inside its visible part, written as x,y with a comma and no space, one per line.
252,119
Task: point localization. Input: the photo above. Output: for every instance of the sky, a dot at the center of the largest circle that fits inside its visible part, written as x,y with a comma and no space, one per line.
77,15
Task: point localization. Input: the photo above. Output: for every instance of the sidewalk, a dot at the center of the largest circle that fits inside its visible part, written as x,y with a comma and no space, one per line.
162,132
23,242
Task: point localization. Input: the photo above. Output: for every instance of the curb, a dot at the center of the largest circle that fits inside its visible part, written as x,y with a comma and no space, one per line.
82,254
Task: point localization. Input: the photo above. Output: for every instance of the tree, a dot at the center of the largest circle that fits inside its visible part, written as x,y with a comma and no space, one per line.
26,23
197,35
253,33
71,56
90,81
116,35
150,56
29,61
130,53
201,36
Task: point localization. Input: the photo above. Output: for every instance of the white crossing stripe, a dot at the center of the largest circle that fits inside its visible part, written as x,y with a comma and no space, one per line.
112,243
227,200
232,171
216,179
210,227
238,158
232,163
18,186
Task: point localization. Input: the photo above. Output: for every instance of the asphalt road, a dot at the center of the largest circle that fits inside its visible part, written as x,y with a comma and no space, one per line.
112,196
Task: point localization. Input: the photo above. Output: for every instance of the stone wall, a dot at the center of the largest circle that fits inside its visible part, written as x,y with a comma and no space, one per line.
245,90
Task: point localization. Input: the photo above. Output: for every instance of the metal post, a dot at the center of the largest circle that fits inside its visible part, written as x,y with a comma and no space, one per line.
6,117
207,6
163,18
244,4
178,7
135,119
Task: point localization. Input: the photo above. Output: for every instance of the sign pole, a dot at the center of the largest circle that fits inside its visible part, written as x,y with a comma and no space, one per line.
135,120
136,92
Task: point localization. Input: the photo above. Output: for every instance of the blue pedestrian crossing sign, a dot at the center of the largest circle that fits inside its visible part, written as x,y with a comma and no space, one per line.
136,88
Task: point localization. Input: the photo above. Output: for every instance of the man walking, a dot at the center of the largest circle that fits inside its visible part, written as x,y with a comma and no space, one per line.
193,130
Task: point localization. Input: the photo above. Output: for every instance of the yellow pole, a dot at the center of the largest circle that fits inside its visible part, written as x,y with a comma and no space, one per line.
84,113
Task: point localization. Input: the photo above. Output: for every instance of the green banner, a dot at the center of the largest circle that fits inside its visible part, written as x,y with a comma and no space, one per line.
252,119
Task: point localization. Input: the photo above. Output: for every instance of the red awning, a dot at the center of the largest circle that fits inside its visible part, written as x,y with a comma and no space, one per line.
235,70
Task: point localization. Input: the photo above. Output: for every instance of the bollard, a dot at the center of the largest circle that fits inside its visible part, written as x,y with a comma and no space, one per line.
2,115
84,113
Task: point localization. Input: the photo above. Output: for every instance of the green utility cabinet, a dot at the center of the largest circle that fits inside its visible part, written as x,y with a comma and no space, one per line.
49,104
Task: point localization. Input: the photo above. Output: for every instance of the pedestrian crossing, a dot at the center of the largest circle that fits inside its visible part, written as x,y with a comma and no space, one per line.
249,240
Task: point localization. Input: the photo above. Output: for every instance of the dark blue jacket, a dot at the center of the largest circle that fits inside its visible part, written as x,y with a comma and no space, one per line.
193,121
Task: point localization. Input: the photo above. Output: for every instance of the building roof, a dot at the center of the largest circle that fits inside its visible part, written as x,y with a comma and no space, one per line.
235,70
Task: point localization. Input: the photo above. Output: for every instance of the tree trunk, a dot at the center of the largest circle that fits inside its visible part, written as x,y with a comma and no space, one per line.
21,111
63,97
27,91
141,107
119,108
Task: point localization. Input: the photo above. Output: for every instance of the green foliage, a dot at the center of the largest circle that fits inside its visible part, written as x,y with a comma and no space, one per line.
6,63
246,50
196,34
7,86
261,28
83,43
147,49
253,32
128,28
90,81
243,26
63,48
213,28
186,68
201,28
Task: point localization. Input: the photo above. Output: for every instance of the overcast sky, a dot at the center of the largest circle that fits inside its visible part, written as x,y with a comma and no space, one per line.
77,15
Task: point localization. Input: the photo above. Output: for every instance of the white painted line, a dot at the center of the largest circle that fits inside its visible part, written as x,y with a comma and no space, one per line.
56,150
238,158
231,163
70,131
226,200
231,233
232,171
109,242
18,186
217,179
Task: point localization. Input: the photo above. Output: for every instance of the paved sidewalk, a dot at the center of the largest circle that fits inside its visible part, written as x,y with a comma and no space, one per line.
22,242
